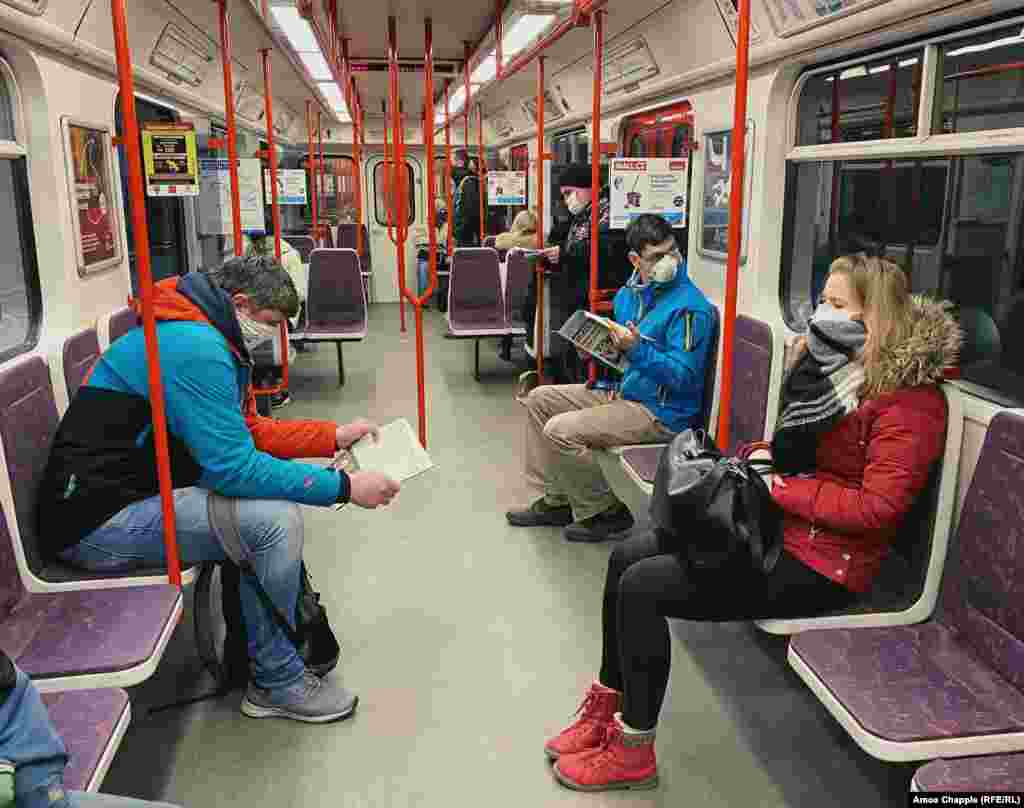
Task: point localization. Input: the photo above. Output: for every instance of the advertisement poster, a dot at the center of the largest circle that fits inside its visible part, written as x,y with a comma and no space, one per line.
214,197
94,214
649,185
169,155
791,16
731,18
249,197
291,186
506,187
717,186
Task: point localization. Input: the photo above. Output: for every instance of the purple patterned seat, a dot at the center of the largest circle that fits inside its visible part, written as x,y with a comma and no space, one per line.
79,353
28,423
991,773
92,724
336,302
519,270
476,304
120,323
347,239
953,686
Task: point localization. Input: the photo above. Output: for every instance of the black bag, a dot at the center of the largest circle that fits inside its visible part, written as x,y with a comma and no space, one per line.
220,630
717,509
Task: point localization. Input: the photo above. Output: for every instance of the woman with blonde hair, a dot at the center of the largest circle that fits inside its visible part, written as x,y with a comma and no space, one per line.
523,233
862,424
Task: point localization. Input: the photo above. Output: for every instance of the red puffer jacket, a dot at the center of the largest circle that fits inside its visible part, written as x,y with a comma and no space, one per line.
871,467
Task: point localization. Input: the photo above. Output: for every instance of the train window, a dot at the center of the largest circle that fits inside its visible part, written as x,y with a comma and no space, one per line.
955,225
382,188
981,78
340,196
569,147
20,298
636,147
874,100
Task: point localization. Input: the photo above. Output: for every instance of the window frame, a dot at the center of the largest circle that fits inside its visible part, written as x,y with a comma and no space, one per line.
928,143
14,152
411,194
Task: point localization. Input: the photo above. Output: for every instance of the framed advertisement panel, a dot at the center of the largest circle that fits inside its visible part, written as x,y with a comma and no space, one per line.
715,190
89,159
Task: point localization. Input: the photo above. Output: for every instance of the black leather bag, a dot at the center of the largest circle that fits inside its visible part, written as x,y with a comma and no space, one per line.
717,510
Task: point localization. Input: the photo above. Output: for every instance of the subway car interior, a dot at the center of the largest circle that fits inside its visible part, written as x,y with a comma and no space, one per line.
146,142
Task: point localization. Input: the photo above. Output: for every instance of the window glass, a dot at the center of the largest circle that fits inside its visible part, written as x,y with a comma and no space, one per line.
636,147
870,101
954,224
681,141
569,147
383,192
20,299
981,82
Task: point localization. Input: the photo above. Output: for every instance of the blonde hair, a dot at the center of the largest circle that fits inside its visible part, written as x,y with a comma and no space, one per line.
883,291
525,222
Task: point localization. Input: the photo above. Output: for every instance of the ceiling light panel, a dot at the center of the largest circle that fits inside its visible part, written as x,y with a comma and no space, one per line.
298,31
525,30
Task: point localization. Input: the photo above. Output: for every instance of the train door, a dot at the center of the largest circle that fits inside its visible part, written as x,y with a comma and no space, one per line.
385,256
165,216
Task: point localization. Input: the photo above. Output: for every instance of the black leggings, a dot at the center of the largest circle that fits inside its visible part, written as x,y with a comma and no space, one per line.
647,583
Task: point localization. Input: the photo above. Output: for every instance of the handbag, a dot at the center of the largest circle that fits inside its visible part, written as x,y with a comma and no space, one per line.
717,510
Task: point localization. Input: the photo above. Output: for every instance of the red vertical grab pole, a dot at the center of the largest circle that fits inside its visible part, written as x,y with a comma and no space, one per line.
142,266
321,188
229,113
595,166
401,211
540,266
739,133
465,106
483,170
357,142
312,170
448,169
275,210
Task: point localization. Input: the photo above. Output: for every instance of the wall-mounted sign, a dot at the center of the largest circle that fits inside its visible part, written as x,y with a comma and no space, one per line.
628,64
731,17
506,187
93,204
717,188
649,185
215,216
793,16
171,163
291,186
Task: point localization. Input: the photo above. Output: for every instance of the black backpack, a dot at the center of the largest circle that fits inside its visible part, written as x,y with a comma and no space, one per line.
221,637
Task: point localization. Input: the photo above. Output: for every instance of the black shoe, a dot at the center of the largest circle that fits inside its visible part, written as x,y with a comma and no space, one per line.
540,514
281,399
602,526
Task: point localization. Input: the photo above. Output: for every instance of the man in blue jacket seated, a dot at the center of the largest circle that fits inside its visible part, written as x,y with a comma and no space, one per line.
31,747
236,485
668,329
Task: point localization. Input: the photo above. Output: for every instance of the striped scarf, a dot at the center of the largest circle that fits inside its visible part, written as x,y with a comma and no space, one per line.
819,390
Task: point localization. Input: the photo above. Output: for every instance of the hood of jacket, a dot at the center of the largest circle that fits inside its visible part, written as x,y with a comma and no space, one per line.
193,297
931,346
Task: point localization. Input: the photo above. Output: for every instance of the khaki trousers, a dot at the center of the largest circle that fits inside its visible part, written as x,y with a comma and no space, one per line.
564,423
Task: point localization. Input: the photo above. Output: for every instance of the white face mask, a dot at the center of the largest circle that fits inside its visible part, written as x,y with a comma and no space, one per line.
574,203
665,270
255,333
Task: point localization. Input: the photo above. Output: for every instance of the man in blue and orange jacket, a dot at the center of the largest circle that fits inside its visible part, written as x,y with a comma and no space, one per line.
236,486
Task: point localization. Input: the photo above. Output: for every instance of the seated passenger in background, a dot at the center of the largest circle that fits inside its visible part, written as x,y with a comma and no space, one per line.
523,233
863,421
30,744
98,501
659,395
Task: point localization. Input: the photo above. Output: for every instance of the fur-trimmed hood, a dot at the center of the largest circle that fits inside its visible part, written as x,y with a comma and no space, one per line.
932,346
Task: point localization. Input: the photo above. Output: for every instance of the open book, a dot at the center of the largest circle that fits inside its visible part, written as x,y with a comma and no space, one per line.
397,453
591,333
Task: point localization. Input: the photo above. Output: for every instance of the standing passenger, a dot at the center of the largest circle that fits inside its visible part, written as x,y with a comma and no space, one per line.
862,424
233,478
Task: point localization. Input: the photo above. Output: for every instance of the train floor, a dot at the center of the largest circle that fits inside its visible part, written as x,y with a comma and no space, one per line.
470,641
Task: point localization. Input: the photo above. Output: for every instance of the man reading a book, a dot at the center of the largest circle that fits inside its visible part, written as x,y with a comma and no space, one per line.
664,328
237,488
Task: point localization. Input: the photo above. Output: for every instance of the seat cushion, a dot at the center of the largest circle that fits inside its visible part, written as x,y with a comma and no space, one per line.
643,461
990,773
88,631
911,683
87,720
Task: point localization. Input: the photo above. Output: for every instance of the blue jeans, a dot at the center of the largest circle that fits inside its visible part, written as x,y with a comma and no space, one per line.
29,740
272,535
422,275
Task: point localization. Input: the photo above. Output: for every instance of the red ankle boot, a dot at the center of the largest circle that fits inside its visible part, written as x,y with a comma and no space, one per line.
624,760
595,716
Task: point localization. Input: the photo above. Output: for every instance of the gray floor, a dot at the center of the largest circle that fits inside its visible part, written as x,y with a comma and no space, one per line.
469,642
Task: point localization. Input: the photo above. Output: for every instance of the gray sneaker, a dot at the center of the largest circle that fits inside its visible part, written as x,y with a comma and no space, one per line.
313,700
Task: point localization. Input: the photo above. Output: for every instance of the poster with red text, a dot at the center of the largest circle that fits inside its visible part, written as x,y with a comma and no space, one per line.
93,202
